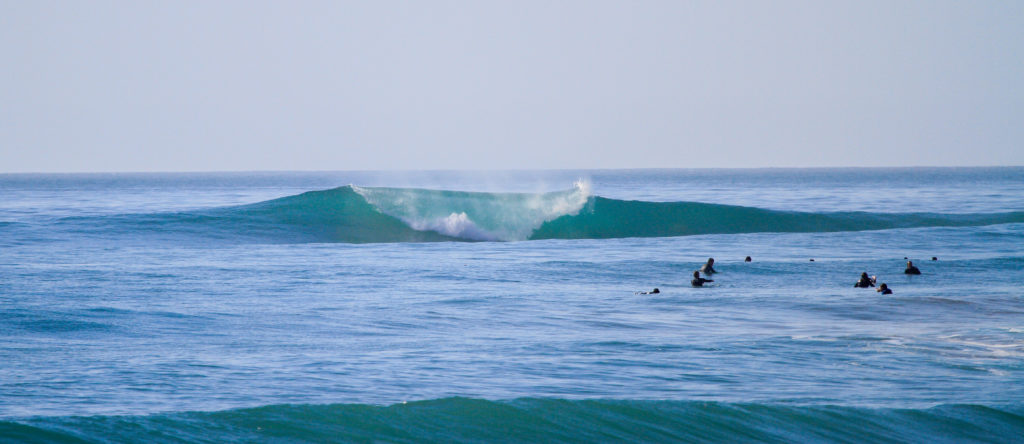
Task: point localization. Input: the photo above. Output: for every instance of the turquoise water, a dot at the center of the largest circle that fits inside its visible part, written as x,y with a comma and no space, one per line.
449,306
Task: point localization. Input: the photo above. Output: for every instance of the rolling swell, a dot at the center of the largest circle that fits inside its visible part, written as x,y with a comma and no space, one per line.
538,420
604,218
334,215
351,214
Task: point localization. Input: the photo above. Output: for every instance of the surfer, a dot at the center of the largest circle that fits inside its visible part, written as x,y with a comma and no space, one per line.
884,289
709,268
698,281
865,281
747,259
911,269
655,291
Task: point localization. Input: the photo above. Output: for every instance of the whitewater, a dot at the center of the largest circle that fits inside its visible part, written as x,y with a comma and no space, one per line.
504,306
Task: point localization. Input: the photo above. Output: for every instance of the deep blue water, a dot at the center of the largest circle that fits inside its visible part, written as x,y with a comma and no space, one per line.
502,306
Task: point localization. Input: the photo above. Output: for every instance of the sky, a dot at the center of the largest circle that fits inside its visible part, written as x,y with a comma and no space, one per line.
106,86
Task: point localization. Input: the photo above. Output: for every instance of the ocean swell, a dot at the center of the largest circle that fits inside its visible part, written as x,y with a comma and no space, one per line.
354,214
603,218
538,420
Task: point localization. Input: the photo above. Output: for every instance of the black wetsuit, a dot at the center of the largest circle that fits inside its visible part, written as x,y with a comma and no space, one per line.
886,291
708,269
699,282
911,270
864,283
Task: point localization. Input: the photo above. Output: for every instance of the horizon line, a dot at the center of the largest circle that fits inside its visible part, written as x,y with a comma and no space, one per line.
496,170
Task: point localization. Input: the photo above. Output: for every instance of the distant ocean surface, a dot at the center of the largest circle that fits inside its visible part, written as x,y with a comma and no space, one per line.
506,306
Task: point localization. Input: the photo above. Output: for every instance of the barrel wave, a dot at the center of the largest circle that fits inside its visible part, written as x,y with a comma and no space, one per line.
538,420
353,214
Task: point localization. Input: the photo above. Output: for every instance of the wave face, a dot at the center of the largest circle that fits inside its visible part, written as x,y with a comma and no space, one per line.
335,215
538,420
354,214
603,218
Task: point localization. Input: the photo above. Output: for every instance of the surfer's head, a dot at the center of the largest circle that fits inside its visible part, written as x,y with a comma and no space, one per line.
696,274
711,260
910,264
747,259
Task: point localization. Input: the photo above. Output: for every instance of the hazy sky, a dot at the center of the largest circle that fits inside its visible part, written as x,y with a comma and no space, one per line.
284,85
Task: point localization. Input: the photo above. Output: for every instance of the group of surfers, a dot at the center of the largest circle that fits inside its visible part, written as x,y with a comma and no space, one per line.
865,281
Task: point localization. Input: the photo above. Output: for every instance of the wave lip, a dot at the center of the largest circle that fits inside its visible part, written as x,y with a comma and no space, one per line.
539,420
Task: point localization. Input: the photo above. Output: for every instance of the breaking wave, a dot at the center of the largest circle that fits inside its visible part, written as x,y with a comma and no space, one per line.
355,214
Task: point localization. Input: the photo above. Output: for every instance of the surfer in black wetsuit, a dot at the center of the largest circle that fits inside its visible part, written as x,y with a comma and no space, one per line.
884,289
709,268
911,269
698,281
655,291
865,281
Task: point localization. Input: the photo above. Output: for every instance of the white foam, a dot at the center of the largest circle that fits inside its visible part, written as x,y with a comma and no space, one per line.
455,225
476,216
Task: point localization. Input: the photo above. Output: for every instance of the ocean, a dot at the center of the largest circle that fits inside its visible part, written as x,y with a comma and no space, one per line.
510,306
